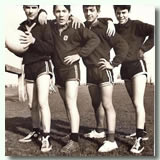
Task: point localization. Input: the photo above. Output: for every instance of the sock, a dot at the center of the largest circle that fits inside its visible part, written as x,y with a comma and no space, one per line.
145,127
74,137
37,130
139,132
99,130
45,134
111,137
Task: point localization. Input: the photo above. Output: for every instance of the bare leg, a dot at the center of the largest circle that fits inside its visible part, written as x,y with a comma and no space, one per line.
136,89
108,107
43,92
139,84
62,94
97,106
33,104
71,93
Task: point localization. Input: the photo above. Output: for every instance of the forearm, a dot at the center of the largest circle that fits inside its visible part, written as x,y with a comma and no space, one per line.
92,41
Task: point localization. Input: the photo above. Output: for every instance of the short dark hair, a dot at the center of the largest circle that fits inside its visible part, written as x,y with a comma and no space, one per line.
128,7
30,5
97,7
68,7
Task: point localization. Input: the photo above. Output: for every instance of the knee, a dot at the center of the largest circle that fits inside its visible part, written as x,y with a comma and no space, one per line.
138,103
43,103
107,105
71,100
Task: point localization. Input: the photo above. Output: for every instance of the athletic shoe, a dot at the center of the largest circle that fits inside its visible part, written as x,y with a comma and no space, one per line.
95,134
30,137
46,144
108,146
66,138
70,147
133,136
138,146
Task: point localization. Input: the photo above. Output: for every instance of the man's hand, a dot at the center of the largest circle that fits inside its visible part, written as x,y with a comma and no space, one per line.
140,54
76,23
42,18
71,59
27,39
111,29
104,64
52,88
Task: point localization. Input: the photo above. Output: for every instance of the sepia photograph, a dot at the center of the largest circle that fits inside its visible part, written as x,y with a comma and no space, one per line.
80,80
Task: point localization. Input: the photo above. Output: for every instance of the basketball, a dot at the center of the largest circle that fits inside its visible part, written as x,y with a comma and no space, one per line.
12,42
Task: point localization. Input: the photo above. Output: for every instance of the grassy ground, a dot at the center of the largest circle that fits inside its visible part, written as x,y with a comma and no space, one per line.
18,124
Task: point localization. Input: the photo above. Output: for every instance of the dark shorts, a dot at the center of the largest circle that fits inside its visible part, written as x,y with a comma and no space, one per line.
95,76
34,70
132,69
67,74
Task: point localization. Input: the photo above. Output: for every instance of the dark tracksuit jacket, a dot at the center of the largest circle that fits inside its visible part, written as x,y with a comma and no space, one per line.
135,32
71,41
106,44
43,46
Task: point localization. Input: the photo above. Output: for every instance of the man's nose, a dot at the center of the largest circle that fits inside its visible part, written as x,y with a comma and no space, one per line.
120,15
61,14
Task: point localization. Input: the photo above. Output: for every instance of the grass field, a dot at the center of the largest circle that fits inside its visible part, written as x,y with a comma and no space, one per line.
18,124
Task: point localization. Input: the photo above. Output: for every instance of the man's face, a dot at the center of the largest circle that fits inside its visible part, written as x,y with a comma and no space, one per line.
62,15
122,15
90,13
31,11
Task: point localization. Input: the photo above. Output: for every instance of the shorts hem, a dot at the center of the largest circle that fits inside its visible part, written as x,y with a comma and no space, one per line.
73,79
45,73
101,84
29,81
140,73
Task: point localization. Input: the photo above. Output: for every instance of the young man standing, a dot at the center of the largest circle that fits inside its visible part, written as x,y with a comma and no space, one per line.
70,45
100,74
140,38
38,71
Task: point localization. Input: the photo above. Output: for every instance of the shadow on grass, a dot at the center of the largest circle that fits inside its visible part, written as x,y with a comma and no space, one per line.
22,126
59,129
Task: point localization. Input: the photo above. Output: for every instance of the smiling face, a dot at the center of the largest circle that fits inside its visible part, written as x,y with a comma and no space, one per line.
122,15
90,13
62,15
31,11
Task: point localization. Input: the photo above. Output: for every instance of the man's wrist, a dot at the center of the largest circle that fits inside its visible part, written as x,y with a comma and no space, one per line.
111,65
33,40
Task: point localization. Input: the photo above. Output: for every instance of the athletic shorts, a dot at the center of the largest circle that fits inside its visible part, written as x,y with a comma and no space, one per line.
95,76
132,69
67,74
34,70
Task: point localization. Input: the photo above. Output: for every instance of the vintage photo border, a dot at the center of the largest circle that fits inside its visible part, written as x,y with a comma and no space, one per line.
157,87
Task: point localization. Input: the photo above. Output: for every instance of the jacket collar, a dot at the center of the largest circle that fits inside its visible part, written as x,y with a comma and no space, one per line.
126,25
29,23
